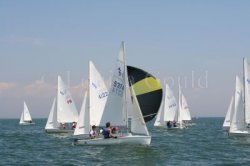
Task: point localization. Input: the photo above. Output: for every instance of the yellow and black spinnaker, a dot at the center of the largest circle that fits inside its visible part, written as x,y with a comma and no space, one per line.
148,91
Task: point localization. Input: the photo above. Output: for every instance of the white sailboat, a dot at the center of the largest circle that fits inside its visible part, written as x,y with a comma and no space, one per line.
238,125
241,118
25,118
93,103
230,110
168,109
116,108
65,111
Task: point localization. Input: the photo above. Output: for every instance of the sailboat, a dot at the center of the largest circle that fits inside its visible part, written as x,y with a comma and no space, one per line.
25,118
65,111
240,123
227,120
168,109
146,96
93,102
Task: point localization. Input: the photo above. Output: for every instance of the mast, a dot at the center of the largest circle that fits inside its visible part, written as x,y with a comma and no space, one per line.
244,90
125,86
88,101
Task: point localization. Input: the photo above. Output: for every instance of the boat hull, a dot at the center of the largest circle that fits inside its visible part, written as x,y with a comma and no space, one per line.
26,123
53,131
239,133
123,140
226,128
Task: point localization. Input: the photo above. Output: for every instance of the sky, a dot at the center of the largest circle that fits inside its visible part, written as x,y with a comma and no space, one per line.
202,43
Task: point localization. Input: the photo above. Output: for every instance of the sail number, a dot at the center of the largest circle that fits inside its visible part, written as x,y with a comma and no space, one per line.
103,94
118,85
118,88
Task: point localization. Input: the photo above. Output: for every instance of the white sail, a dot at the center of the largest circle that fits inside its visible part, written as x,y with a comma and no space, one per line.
83,124
115,101
186,113
21,118
159,121
98,94
238,119
26,113
66,109
229,114
247,90
179,112
25,116
52,119
170,105
138,124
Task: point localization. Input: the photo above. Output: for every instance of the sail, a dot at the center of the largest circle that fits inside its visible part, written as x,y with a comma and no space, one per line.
238,119
186,113
148,91
159,121
21,118
247,90
170,106
66,109
138,124
229,114
26,113
114,110
98,94
52,119
180,109
83,124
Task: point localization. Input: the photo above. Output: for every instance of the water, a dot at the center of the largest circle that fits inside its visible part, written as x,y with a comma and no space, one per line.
202,144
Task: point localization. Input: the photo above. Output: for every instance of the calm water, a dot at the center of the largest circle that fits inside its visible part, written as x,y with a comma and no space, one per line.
202,144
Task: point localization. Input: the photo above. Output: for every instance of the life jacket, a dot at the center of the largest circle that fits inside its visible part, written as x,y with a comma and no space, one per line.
105,132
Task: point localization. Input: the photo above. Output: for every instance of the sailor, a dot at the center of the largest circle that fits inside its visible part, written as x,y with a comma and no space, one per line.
73,125
107,131
169,124
92,133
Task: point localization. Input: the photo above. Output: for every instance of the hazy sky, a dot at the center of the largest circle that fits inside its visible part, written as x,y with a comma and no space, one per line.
201,42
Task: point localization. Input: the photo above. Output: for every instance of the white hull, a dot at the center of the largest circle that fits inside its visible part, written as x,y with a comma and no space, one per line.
58,131
25,123
124,140
239,133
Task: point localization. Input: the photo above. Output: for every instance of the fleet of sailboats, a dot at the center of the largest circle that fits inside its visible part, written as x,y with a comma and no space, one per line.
173,115
131,85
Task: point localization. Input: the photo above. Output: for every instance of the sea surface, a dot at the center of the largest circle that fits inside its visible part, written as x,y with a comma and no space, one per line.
202,144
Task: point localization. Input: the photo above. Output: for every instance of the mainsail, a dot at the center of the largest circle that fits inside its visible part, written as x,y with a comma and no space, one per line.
116,97
247,90
66,109
98,94
238,119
